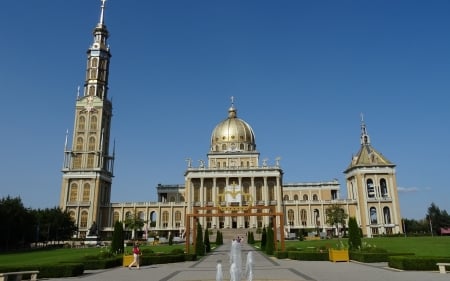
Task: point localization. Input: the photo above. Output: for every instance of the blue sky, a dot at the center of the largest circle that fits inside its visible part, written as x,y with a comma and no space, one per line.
301,73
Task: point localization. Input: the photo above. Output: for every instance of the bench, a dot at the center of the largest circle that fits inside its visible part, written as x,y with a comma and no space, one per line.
442,267
17,276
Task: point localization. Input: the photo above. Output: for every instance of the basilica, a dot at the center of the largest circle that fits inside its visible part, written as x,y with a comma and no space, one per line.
233,189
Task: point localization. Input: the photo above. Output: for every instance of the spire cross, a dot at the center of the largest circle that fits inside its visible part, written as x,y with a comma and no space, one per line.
102,11
232,100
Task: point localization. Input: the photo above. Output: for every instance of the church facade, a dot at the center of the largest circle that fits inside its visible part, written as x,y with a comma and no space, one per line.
232,180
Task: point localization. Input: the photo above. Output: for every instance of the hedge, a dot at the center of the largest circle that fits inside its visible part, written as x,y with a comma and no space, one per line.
416,263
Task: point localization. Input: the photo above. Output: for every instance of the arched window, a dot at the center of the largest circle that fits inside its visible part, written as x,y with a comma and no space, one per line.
165,219
224,147
296,197
171,199
152,219
83,220
373,215
81,123
383,187
73,194
79,145
91,145
141,215
316,217
303,217
177,218
315,198
259,191
370,188
94,62
286,197
115,217
93,122
86,192
305,197
241,146
387,215
291,217
72,215
181,198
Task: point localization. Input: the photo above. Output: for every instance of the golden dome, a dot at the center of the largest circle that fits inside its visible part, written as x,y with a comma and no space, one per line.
232,135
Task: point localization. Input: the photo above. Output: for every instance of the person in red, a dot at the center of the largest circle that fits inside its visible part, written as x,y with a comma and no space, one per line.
136,254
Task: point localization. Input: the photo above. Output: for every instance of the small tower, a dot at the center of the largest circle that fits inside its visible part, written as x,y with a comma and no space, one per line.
88,165
371,181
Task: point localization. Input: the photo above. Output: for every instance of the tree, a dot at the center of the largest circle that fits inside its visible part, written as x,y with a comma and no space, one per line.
199,246
437,218
354,234
13,216
270,243
336,216
134,223
117,243
263,239
206,241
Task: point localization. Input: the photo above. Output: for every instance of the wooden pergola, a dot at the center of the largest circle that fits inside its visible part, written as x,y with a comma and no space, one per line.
247,212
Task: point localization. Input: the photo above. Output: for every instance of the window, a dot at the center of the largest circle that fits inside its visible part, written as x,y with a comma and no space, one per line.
383,186
83,220
296,197
286,197
305,197
259,191
73,192
165,219
90,161
72,215
94,62
316,217
91,144
373,215
291,217
79,145
177,218
387,215
315,198
93,122
370,188
303,217
86,192
81,123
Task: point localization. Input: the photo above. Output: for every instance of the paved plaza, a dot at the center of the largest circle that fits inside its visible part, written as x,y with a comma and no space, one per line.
265,268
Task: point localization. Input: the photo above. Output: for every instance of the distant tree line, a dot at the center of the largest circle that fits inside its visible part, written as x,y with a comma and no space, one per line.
434,220
21,227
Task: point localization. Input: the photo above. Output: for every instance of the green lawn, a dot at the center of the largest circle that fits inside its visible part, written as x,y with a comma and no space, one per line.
421,246
68,255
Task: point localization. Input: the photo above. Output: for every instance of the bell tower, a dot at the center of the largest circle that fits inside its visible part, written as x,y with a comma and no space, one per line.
88,165
371,181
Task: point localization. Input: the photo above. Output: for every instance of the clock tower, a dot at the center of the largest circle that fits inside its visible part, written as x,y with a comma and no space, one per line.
88,164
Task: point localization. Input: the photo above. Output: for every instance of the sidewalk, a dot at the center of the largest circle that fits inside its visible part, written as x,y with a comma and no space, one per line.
265,268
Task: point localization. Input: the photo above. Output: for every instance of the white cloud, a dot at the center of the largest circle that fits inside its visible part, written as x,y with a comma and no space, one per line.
407,189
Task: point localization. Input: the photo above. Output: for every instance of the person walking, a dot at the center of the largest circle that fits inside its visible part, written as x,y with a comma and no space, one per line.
136,254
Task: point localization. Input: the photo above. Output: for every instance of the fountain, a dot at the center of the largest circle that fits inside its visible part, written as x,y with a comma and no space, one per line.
236,264
219,273
249,267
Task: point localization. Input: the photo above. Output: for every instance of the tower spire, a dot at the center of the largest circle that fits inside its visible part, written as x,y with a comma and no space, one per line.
102,12
365,140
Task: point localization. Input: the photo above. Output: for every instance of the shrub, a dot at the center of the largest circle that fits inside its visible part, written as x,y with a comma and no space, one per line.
308,256
415,262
